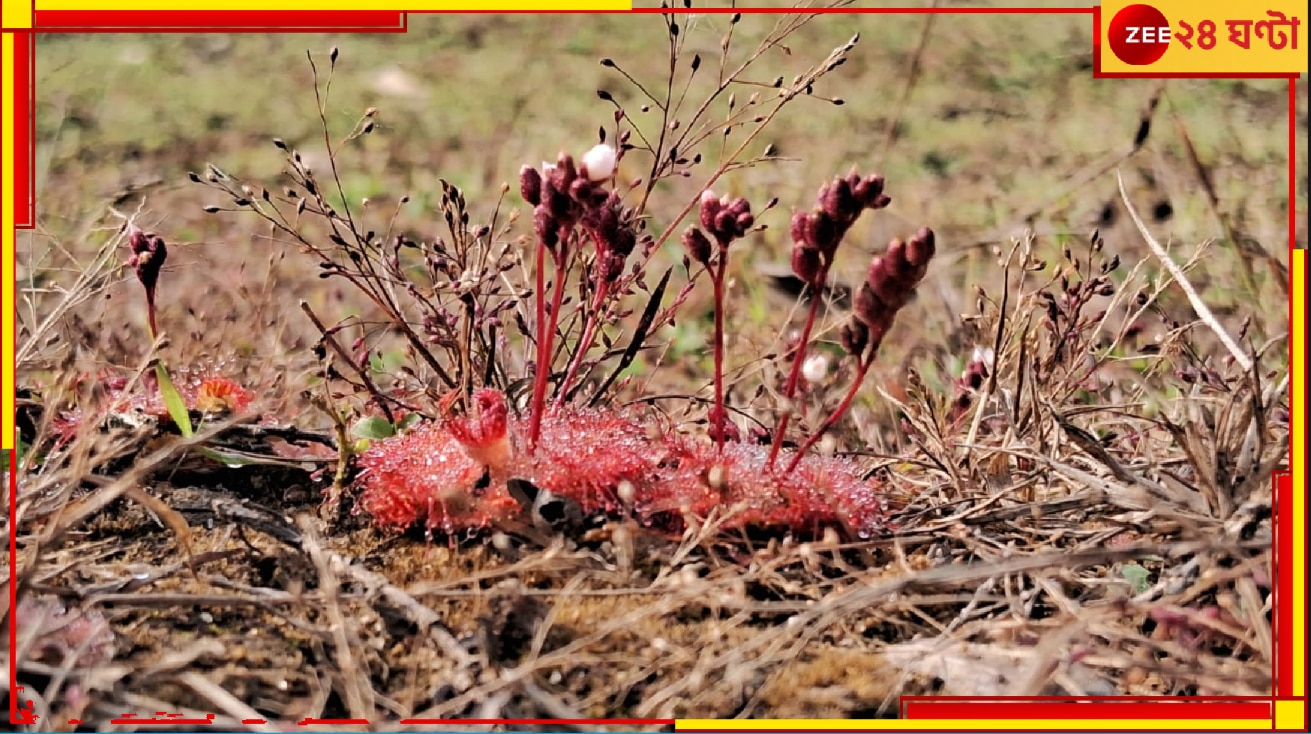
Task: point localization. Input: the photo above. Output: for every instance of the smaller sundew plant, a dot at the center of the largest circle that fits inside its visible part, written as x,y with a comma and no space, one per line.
159,398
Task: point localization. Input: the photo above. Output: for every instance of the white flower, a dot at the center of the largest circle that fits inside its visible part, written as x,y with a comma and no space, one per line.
600,162
984,355
708,196
815,368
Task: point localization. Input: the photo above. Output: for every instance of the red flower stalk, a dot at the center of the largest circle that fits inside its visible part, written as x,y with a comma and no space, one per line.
610,228
148,255
816,236
562,196
889,286
726,220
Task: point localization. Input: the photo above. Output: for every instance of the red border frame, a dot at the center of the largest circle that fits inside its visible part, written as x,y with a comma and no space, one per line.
220,21
397,22
24,126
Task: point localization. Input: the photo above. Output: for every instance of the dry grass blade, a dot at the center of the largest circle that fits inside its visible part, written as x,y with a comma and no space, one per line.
1199,306
359,694
1248,249
170,517
224,701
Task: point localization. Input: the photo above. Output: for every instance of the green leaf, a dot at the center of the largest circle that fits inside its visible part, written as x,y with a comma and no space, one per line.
373,428
409,421
234,460
177,407
1137,576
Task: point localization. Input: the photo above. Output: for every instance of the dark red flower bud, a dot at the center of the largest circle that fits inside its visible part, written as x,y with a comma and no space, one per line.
883,283
697,244
148,255
739,206
580,190
868,307
725,229
837,201
855,337
530,185
554,199
869,192
825,234
544,223
807,265
710,207
565,167
801,228
921,247
624,242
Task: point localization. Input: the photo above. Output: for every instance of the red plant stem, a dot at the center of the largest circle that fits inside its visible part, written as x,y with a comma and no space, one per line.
720,414
794,377
544,337
838,412
150,316
584,344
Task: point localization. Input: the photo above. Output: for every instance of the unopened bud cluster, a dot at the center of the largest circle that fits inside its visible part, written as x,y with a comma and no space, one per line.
148,255
724,219
890,284
565,195
817,234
